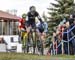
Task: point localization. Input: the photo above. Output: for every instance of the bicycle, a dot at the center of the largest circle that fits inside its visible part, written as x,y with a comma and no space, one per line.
32,42
35,42
32,37
41,41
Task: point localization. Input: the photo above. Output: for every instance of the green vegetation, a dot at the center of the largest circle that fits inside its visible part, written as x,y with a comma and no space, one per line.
59,10
22,56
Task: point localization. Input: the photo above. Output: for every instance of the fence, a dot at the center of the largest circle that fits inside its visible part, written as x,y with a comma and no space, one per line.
62,42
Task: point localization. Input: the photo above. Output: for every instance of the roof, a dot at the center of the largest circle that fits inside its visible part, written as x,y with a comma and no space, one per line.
8,16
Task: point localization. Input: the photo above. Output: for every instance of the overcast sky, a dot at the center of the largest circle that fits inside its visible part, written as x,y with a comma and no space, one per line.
22,6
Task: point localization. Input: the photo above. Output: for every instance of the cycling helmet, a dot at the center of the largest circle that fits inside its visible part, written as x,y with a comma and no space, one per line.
24,15
32,8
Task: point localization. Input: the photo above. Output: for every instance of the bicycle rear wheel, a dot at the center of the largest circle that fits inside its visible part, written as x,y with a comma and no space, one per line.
40,46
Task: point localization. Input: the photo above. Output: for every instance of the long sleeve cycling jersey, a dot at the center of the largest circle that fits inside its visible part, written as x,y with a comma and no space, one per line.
32,16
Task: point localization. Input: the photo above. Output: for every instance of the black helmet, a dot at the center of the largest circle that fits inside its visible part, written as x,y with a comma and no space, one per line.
32,7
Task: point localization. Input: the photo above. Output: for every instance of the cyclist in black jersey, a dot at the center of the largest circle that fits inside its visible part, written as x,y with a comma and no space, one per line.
32,14
31,25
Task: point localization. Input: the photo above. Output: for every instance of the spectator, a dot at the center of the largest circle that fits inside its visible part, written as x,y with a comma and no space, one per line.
73,34
2,41
67,36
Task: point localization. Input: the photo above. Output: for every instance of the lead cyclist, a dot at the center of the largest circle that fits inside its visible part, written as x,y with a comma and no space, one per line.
31,15
42,30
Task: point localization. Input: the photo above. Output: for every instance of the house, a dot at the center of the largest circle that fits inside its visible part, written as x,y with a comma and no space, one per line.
9,30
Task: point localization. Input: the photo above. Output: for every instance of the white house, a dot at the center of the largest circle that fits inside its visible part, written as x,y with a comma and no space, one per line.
9,31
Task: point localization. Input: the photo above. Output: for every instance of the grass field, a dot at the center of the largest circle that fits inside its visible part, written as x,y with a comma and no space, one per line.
22,56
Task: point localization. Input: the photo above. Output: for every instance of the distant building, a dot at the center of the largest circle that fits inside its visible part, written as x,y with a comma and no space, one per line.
9,32
8,24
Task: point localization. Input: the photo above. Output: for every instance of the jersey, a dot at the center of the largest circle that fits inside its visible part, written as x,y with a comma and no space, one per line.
43,28
32,16
22,23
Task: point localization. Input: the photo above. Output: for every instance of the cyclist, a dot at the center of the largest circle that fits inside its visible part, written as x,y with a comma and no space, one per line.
31,17
23,30
22,23
42,30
